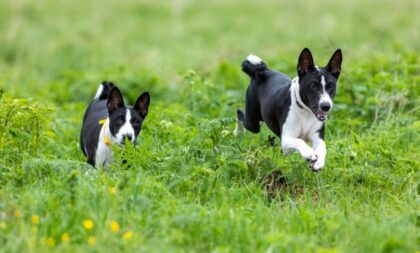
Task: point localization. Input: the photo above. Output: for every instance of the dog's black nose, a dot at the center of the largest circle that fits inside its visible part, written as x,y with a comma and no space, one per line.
325,106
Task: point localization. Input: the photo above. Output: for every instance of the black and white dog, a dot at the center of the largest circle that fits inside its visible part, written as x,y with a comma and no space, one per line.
295,110
108,121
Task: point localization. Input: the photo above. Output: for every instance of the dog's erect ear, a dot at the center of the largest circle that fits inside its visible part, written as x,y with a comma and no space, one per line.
334,65
115,100
142,104
306,62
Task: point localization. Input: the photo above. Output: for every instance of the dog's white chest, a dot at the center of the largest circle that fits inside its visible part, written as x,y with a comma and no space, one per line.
104,151
300,124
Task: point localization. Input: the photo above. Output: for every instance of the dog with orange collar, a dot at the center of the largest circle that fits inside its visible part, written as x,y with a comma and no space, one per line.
109,121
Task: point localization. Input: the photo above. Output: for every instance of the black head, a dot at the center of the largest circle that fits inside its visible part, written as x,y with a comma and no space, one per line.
317,86
125,122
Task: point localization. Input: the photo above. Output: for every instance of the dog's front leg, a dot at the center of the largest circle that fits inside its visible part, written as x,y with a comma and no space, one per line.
320,148
289,144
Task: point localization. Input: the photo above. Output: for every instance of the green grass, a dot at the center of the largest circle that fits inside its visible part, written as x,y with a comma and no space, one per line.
190,186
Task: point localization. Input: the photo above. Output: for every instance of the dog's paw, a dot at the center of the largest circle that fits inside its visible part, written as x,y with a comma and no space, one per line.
240,115
310,156
240,129
317,165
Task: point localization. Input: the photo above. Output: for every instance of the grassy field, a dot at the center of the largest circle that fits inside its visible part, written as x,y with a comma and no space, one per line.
191,186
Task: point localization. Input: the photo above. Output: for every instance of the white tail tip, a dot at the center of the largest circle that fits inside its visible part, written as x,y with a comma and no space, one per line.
99,91
253,59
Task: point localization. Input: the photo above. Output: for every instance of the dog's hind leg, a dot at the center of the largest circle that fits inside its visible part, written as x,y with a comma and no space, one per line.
246,120
255,68
240,128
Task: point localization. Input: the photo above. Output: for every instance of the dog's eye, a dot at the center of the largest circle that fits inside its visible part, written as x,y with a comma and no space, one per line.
330,86
120,120
135,121
314,85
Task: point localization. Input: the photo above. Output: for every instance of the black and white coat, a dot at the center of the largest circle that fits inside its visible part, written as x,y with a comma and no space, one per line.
107,121
295,110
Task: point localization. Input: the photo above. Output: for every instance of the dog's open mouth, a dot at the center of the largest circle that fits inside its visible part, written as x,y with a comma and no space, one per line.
322,116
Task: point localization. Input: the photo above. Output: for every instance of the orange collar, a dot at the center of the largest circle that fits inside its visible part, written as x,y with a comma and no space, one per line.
107,141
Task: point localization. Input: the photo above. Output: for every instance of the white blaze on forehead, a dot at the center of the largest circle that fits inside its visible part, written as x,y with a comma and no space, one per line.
323,82
325,97
99,91
126,128
253,59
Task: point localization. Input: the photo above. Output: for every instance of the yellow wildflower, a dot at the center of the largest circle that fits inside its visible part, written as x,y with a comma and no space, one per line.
88,224
115,226
18,213
91,240
112,190
35,219
128,235
65,237
50,242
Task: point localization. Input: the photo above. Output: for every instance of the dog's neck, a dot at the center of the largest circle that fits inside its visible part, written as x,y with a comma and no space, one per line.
295,94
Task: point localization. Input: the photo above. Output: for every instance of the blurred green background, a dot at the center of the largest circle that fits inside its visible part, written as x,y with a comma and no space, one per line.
44,42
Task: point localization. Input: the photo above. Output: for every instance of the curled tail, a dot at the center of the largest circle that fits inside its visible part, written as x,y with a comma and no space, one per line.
103,90
254,66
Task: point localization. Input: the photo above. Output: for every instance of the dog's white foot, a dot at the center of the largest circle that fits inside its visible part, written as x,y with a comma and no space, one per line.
313,160
317,165
310,155
240,129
